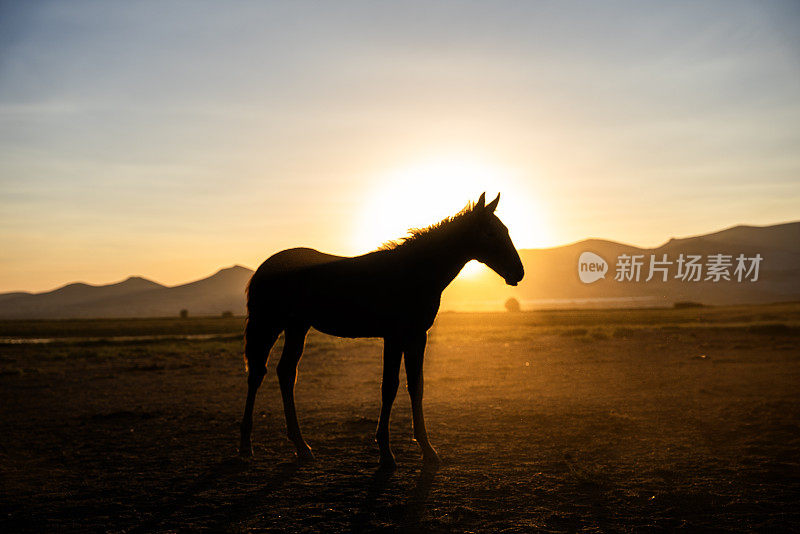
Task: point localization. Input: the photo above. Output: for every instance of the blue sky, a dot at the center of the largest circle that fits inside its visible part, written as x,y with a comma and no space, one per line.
168,139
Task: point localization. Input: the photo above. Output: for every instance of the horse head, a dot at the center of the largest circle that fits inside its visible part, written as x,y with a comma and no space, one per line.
490,243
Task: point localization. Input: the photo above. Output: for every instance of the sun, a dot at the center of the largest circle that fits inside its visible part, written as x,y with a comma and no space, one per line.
417,195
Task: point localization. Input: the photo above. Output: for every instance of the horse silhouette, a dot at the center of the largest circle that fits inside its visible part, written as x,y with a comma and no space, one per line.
392,293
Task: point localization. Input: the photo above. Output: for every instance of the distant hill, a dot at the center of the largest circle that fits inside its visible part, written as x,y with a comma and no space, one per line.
135,297
551,280
551,275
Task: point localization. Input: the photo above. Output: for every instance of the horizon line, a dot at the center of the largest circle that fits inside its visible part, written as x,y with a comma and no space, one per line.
572,243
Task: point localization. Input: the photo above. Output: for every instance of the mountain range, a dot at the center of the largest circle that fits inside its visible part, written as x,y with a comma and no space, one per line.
551,281
552,274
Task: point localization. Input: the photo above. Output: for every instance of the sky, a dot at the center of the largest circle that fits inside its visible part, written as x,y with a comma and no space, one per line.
170,139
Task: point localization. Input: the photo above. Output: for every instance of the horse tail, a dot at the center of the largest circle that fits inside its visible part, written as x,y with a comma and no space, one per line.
262,328
251,324
250,344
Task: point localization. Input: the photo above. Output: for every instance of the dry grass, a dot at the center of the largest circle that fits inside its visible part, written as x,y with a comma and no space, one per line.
547,421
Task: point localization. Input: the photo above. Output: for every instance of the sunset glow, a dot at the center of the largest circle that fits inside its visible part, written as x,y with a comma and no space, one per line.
130,148
420,194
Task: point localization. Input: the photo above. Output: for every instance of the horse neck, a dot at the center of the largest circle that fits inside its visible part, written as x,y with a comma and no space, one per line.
437,263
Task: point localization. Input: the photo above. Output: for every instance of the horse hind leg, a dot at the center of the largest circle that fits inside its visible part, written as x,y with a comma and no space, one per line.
287,376
260,336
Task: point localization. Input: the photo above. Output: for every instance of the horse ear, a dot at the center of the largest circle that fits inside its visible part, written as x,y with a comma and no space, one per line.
493,204
481,201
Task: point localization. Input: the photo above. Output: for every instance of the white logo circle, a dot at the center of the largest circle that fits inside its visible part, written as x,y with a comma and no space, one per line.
591,267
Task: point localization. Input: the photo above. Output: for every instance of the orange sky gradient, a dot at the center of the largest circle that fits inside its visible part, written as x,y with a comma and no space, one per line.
168,140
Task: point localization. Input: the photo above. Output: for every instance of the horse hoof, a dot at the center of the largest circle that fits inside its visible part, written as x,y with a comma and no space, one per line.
305,455
387,465
431,459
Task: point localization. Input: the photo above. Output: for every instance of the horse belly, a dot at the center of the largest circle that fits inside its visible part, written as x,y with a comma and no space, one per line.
349,320
349,330
371,317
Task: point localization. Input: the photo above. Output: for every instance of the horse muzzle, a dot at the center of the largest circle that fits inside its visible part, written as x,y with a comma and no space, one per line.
515,279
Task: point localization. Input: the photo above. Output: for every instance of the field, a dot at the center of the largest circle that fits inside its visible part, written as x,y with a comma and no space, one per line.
618,420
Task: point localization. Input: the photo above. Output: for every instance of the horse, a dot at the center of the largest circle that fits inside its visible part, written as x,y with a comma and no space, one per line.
392,293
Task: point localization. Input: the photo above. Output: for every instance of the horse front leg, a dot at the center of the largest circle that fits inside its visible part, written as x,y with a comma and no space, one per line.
414,356
287,376
392,354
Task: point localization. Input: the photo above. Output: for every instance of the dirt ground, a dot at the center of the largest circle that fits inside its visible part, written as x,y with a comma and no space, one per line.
546,422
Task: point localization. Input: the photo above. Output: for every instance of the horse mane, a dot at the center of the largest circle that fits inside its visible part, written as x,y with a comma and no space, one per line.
433,232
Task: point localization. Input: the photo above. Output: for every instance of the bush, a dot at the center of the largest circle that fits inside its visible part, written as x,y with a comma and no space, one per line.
624,332
599,334
575,332
184,314
227,314
687,304
512,305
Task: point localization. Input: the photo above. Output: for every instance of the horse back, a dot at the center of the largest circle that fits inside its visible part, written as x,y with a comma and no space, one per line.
292,260
285,264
